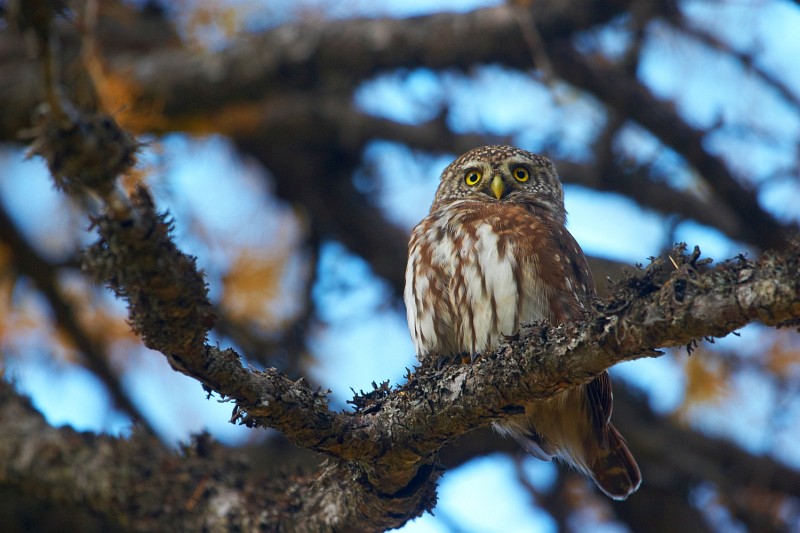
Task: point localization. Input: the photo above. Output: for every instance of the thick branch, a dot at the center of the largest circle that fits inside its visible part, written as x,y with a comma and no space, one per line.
136,484
389,445
687,305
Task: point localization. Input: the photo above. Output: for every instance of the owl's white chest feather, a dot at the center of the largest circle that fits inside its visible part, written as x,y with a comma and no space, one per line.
465,289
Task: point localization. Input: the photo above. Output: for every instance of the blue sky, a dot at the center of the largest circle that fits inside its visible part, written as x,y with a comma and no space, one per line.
363,338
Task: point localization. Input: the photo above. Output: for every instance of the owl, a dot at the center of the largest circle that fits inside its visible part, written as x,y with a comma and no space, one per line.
492,254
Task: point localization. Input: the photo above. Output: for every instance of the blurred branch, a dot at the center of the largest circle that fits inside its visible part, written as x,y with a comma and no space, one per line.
673,457
629,97
669,447
130,482
342,53
637,183
182,86
746,60
243,89
29,263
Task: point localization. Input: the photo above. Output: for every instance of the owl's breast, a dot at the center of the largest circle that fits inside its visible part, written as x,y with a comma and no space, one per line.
471,279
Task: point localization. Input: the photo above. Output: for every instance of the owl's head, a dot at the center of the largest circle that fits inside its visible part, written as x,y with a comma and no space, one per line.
502,174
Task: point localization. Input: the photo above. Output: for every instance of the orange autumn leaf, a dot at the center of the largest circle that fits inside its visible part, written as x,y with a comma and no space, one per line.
783,357
706,380
250,285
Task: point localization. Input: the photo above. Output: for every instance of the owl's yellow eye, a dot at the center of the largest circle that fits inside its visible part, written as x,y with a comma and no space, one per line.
472,177
521,174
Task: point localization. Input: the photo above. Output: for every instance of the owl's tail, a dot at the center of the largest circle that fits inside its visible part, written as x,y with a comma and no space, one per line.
614,469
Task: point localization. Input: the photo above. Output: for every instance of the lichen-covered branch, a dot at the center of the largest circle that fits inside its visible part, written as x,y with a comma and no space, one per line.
652,310
399,431
135,483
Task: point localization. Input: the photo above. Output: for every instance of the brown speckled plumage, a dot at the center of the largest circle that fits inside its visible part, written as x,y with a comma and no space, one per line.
492,254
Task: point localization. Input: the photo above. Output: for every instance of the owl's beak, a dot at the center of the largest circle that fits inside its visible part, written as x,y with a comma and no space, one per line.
497,186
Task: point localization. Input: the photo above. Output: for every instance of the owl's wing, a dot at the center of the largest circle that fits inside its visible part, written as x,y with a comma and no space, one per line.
562,266
573,287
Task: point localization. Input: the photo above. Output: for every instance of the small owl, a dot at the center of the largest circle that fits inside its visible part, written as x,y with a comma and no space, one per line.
492,254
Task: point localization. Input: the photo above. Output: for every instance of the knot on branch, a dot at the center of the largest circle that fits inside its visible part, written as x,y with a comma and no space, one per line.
137,258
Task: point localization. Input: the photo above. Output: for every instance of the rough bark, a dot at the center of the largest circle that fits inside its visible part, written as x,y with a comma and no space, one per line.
382,470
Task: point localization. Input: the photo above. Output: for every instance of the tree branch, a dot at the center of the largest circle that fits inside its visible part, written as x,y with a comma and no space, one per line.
638,183
390,443
137,483
747,61
179,84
